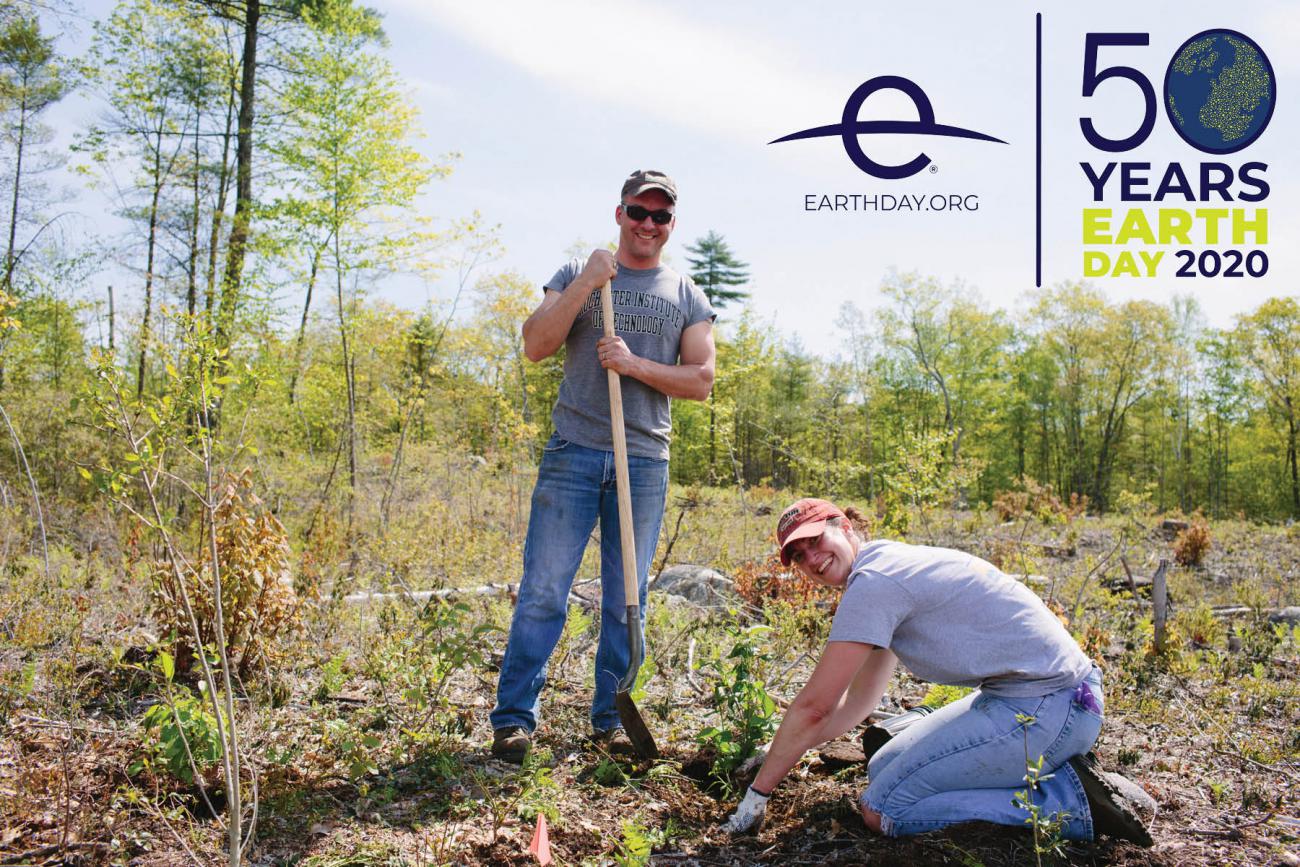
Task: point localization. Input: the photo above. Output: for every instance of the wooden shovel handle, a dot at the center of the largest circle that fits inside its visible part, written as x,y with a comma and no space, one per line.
631,597
642,741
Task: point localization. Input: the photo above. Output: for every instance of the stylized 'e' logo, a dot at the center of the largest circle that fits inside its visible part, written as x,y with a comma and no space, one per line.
849,127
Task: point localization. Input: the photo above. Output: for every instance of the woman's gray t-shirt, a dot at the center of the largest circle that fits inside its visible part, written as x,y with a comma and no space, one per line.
652,307
953,618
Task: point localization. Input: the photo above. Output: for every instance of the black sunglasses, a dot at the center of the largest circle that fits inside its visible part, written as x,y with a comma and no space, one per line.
636,214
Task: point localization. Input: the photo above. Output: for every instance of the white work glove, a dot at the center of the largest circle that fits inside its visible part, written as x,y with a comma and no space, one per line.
749,815
754,762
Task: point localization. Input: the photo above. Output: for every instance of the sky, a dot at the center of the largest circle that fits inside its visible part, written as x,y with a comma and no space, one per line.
552,105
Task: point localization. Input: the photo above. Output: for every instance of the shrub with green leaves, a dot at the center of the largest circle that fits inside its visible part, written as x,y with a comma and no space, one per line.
940,694
919,478
538,790
180,737
416,656
356,748
636,846
640,839
746,712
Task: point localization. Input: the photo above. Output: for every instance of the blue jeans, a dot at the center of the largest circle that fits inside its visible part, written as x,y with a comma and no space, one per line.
575,486
966,761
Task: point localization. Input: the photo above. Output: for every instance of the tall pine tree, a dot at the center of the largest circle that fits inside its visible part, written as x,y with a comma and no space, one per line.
716,270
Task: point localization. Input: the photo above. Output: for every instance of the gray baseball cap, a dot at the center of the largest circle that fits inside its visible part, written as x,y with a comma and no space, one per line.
649,179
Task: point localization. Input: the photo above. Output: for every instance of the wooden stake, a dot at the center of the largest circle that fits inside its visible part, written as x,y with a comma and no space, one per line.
1160,602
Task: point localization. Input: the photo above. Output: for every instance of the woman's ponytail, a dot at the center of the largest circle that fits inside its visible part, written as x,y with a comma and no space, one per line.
859,521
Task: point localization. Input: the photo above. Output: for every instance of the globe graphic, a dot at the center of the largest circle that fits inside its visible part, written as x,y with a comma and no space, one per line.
1219,91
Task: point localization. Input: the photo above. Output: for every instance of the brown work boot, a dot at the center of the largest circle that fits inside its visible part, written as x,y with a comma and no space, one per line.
1112,814
613,741
510,744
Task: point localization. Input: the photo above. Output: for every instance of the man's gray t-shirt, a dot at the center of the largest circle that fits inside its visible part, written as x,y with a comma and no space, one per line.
652,307
953,618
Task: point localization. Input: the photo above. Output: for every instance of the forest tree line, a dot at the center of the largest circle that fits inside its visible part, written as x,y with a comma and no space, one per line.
261,156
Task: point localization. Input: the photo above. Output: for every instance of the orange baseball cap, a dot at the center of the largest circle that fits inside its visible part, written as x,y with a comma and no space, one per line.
803,520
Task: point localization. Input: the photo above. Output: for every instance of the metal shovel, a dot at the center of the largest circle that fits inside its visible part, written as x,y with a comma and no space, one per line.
642,741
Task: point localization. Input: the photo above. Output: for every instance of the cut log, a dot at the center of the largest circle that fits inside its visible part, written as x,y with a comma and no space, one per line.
425,595
511,590
1032,580
1170,527
1129,582
1289,616
1051,549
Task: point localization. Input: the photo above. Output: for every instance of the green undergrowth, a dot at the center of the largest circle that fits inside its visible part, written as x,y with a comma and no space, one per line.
370,720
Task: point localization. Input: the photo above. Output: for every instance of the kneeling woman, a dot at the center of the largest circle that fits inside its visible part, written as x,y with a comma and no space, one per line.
951,618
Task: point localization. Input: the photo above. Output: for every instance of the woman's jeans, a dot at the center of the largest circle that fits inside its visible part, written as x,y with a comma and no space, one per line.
966,761
575,486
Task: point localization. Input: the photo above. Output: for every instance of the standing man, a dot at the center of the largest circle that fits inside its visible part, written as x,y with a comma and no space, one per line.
663,349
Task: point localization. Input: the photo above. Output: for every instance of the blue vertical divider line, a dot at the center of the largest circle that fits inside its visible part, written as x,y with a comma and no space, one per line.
1038,151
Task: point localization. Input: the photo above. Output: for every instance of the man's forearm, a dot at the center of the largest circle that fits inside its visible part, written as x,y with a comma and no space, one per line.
547,329
689,381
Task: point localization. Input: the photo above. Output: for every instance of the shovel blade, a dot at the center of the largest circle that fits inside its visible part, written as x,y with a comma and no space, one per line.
642,741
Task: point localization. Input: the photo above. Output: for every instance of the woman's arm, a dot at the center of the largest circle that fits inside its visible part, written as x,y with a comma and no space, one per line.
846,685
864,693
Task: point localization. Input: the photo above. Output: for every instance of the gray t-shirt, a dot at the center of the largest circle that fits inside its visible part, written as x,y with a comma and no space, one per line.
953,618
652,307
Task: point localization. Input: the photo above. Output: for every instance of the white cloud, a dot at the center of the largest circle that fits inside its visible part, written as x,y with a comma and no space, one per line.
717,80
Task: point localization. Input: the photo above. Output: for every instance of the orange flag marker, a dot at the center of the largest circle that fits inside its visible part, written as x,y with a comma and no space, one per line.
540,848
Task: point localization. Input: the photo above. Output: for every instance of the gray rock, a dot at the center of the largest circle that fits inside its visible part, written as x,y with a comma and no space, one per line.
668,600
698,584
1289,616
1143,803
